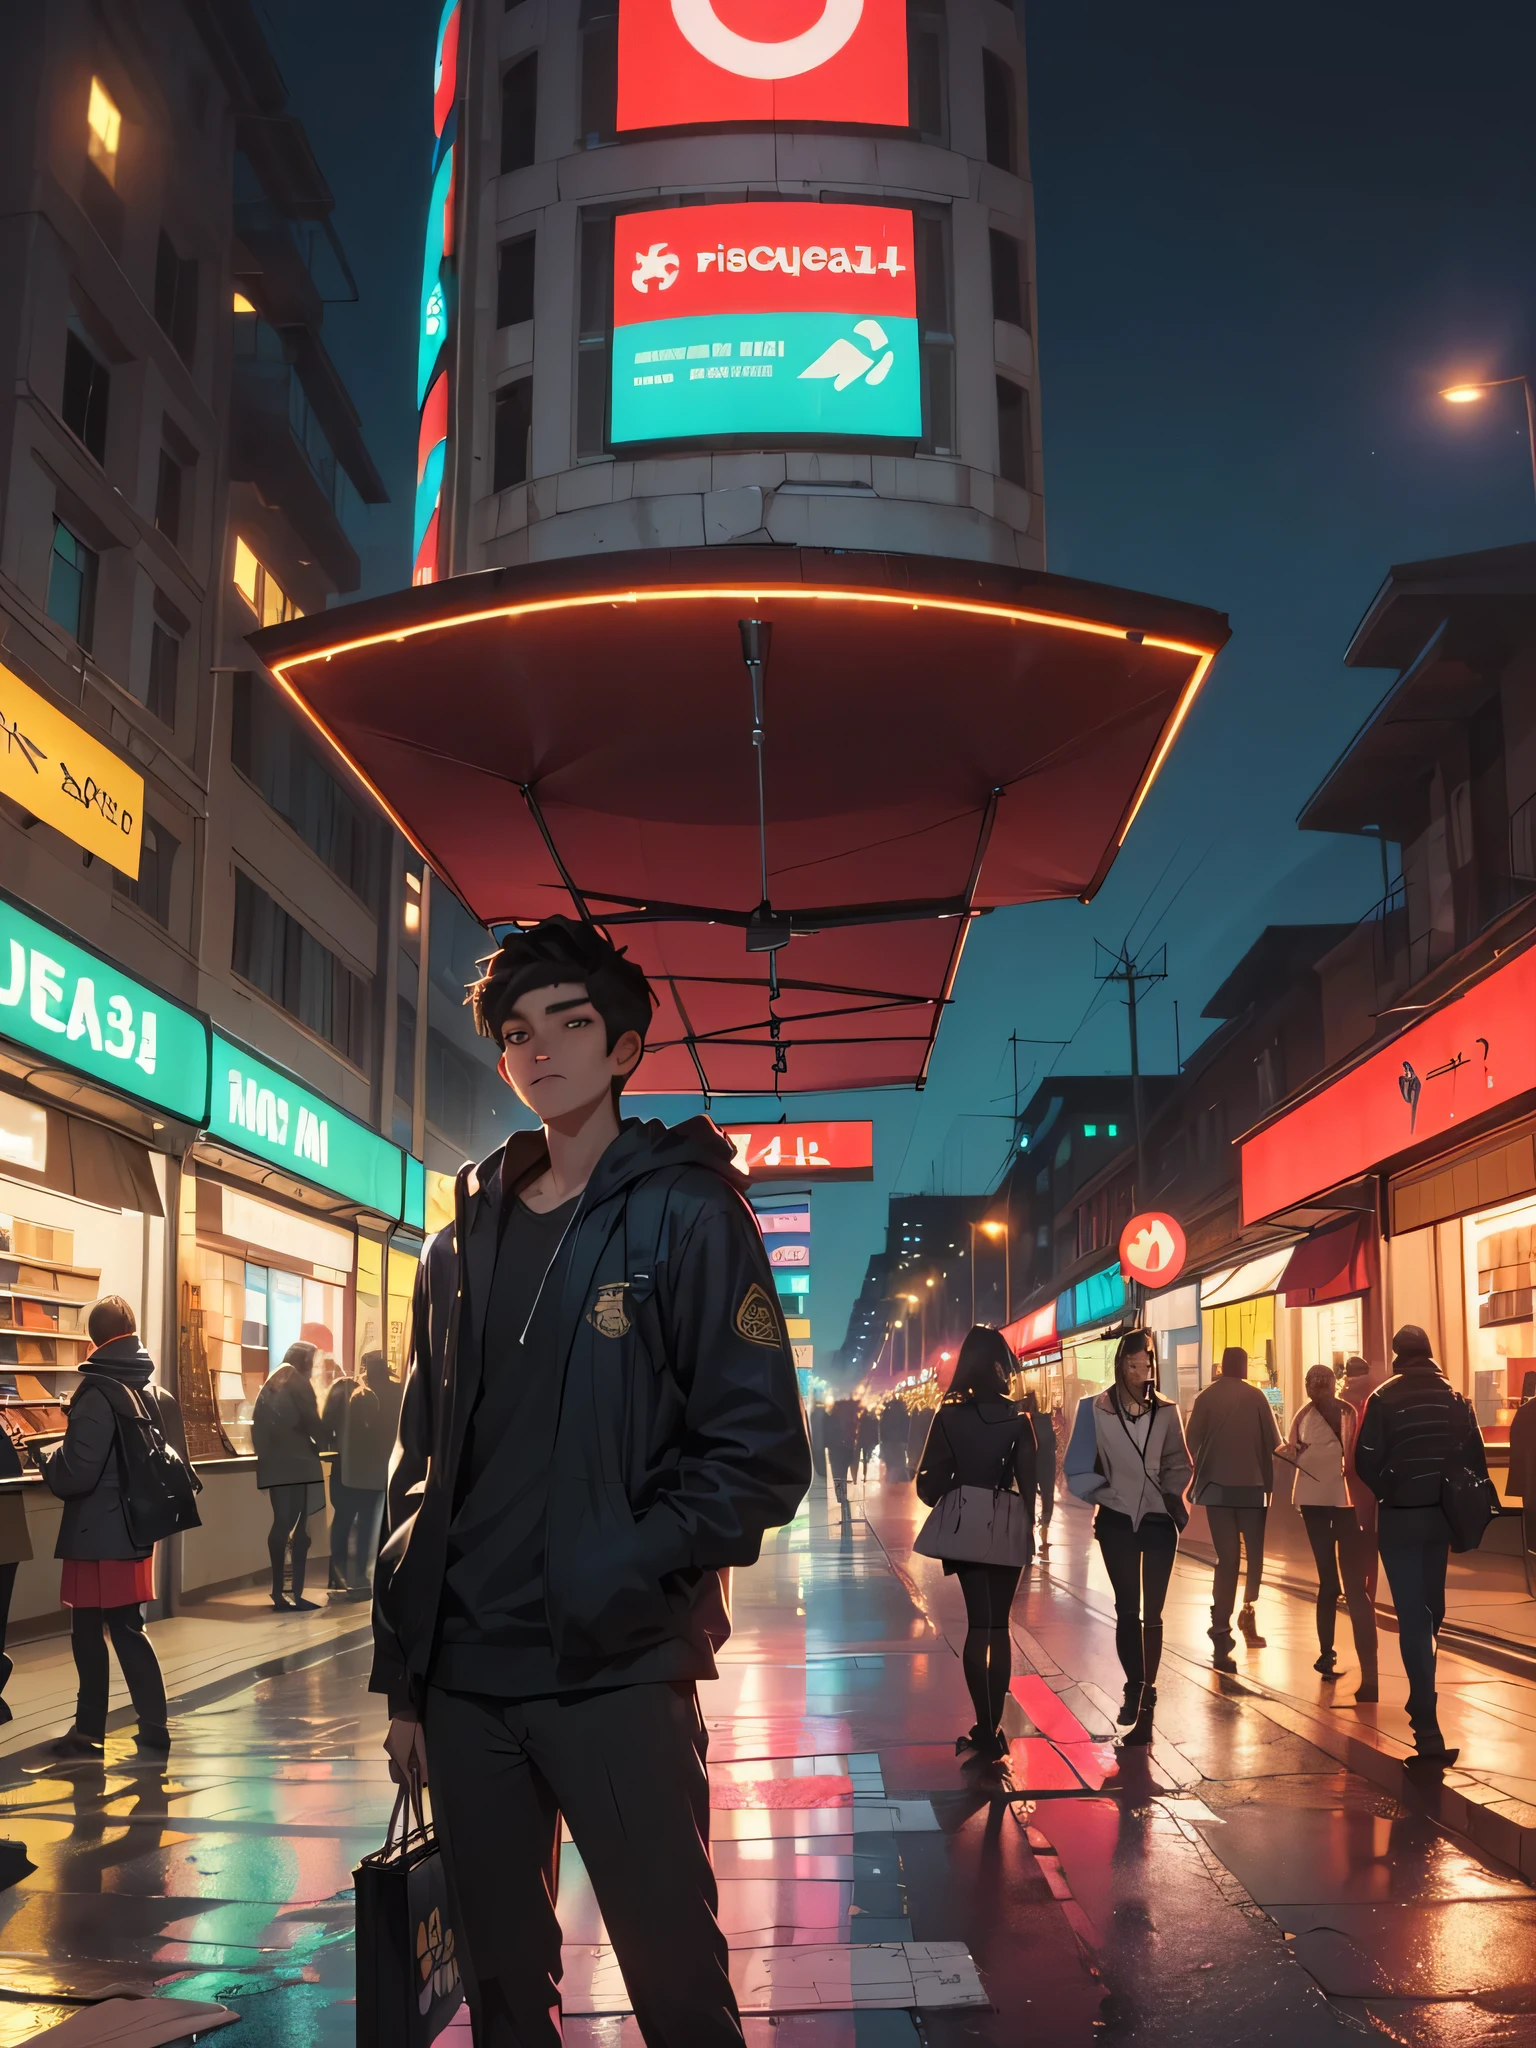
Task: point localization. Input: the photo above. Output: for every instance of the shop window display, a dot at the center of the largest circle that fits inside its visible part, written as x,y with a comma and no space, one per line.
1500,1248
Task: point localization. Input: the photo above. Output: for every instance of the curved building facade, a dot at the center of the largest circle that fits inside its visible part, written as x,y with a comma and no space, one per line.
686,287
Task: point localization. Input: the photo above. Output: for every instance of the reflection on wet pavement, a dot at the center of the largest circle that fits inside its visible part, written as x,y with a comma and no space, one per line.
1234,1884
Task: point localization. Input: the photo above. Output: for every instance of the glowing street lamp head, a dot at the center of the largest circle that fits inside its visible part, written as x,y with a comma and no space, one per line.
995,1229
1464,394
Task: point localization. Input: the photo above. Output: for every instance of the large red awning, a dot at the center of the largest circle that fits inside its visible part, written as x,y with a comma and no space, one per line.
941,738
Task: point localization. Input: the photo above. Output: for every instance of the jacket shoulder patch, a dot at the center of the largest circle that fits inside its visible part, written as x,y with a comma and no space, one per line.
755,1319
607,1315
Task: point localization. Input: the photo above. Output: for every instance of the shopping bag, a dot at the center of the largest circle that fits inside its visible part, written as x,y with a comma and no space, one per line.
408,1984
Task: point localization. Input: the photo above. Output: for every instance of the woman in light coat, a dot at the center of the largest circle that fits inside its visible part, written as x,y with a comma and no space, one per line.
1128,1457
1321,1447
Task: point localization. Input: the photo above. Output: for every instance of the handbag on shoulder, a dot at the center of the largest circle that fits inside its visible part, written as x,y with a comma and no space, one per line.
981,1524
408,1982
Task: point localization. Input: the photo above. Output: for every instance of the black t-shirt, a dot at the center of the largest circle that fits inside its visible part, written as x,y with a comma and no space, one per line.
495,1637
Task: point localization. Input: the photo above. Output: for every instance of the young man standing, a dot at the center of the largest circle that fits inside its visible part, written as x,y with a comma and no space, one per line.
601,1417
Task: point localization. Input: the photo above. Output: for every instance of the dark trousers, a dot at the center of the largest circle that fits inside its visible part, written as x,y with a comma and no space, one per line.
626,1771
7,1588
354,1518
1416,1576
136,1656
987,1658
893,1460
1140,1563
1341,1550
290,1528
845,1465
1229,1528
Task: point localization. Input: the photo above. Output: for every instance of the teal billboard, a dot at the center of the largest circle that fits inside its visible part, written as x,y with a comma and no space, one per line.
270,1115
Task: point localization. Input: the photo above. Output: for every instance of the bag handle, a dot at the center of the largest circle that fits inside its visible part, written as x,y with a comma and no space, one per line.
408,1801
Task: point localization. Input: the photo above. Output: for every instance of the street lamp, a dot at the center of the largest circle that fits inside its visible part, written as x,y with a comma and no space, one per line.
1470,394
994,1231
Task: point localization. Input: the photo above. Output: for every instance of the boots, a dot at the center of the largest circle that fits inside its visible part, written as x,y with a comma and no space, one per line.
307,1606
1430,1752
1140,1735
1130,1706
1250,1627
1223,1642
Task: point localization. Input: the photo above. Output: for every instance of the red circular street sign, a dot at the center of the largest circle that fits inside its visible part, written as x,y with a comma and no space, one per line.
1152,1249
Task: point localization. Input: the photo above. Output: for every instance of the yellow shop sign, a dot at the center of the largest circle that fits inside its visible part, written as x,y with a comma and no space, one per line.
54,769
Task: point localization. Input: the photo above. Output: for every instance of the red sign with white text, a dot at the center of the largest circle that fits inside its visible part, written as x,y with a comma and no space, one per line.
1469,1057
778,256
1152,1249
687,62
841,1151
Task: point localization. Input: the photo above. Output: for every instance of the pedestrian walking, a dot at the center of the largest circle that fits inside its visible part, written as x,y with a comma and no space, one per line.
1360,1382
344,1510
979,1439
895,1425
843,1447
107,1576
285,1428
918,1423
15,1549
1415,1429
1321,1447
601,1417
1128,1457
1045,1465
367,1436
1232,1439
869,1439
818,1433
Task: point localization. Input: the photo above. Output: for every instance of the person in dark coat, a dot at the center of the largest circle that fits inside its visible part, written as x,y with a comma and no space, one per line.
1413,1425
344,1510
868,1439
367,1436
285,1429
895,1424
978,1435
15,1550
601,1418
918,1425
1521,1485
843,1446
1045,1468
818,1428
107,1577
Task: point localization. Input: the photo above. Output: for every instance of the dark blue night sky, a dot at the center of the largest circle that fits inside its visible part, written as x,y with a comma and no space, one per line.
1266,237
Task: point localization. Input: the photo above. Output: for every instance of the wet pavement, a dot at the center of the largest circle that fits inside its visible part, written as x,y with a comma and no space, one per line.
1239,1884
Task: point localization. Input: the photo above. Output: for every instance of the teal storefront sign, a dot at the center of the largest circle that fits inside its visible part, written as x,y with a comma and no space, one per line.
270,1115
1093,1300
85,1013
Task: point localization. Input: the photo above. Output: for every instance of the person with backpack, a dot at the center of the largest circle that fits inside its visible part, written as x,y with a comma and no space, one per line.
286,1430
980,1440
601,1418
1416,1434
108,1570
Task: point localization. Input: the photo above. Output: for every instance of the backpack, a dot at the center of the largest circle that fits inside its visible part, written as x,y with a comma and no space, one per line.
155,1483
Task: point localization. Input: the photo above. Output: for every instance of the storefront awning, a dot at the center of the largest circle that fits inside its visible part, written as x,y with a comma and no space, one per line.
1031,1333
1241,1283
1331,1266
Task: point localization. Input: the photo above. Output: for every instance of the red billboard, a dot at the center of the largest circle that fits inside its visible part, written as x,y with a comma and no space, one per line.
684,63
1474,1054
840,1151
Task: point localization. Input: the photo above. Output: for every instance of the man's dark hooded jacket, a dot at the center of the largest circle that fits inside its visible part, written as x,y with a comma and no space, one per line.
667,1469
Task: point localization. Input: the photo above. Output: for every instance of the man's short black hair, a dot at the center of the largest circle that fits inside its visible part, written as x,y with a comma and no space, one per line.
560,950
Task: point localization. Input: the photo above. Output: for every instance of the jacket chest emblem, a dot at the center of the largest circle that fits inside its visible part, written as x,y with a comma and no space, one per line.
755,1319
608,1315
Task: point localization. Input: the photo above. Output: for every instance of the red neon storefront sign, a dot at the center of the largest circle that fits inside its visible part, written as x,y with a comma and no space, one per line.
838,1151
687,62
1469,1057
1031,1333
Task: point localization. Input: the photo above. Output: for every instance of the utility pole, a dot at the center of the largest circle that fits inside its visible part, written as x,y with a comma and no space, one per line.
1134,975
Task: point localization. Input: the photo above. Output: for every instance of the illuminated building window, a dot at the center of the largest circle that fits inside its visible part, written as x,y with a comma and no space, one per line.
72,585
261,589
1010,294
514,281
1090,1130
242,303
1013,432
103,131
1113,1130
1000,112
176,297
514,424
519,113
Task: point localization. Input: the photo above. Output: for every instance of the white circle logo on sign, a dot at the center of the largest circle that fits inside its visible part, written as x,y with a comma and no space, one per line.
708,34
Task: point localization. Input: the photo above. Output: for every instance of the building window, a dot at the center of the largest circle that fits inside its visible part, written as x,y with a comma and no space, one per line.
261,589
599,71
519,113
998,107
103,131
152,891
514,281
1010,294
927,97
1013,432
269,751
514,423
176,297
164,667
936,333
292,968
405,1050
594,321
72,585
168,497
87,387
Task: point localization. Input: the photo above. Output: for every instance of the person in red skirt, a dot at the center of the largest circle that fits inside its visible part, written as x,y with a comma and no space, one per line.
107,1578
